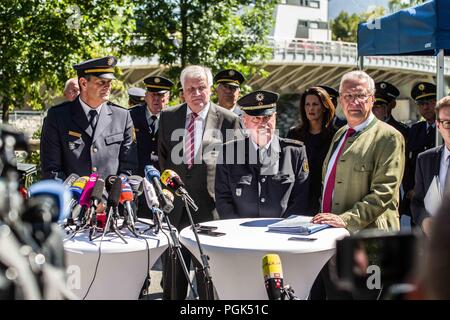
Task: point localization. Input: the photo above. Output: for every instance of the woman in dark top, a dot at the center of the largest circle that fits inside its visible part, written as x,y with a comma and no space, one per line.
315,131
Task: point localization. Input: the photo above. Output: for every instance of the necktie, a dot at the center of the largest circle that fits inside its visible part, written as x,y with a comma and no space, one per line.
190,141
328,193
93,119
152,125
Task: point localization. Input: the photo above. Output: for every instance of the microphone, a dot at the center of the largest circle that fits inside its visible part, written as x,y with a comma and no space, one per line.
76,189
114,188
126,197
136,184
95,199
168,194
70,179
56,191
150,194
153,175
173,181
85,197
273,276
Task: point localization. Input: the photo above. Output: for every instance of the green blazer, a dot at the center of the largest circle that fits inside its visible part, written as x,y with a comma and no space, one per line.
368,177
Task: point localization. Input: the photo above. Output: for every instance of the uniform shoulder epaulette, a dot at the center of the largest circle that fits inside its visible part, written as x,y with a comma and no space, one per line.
293,141
115,105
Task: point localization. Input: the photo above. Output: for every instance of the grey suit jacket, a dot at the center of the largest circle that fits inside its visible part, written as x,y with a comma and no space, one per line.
68,144
199,180
427,167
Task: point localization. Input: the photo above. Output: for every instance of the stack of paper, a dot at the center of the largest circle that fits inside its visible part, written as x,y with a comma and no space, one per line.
298,225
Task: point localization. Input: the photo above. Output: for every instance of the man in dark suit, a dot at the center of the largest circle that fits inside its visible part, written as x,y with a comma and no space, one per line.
146,120
432,168
334,95
422,136
89,134
229,89
188,135
385,100
262,175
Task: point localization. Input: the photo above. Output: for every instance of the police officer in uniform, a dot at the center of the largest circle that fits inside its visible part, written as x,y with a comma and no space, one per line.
385,100
334,95
422,135
262,175
89,134
228,89
135,96
146,120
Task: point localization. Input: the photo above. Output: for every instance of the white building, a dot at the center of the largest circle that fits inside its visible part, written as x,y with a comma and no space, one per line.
306,19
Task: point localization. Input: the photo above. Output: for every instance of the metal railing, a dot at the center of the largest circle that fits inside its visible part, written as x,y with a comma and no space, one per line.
338,52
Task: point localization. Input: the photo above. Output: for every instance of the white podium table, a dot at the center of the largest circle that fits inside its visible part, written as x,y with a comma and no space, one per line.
121,269
236,258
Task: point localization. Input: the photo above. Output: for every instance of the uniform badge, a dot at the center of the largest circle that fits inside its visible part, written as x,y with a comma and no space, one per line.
74,134
157,80
305,166
421,87
231,72
110,61
259,97
72,146
238,192
383,85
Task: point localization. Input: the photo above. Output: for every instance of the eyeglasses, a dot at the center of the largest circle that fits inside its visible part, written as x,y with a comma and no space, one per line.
261,119
445,123
360,97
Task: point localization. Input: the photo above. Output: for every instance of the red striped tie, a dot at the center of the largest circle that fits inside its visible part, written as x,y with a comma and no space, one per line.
190,141
328,194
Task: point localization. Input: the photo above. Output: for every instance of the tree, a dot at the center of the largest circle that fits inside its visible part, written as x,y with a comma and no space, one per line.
41,40
395,5
218,34
345,26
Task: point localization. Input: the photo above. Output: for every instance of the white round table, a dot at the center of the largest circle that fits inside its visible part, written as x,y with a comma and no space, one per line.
122,268
236,258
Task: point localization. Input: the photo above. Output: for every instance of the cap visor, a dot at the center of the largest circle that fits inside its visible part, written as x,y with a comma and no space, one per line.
233,84
260,112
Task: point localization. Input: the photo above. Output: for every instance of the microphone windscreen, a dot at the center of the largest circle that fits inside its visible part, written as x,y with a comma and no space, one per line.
273,275
151,172
86,195
126,193
109,181
150,194
114,193
71,179
97,191
78,186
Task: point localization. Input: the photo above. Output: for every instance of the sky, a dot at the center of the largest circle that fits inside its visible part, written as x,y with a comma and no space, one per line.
352,6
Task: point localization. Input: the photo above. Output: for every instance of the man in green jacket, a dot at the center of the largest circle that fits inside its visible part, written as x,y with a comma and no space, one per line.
364,166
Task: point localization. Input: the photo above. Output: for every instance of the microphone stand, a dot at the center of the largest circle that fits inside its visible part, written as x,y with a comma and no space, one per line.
112,227
204,258
128,220
175,253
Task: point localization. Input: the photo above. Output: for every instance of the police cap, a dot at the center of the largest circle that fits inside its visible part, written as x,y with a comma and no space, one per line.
230,76
99,67
158,84
259,103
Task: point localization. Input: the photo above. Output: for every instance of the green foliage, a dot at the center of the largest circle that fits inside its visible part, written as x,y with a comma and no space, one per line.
41,40
218,34
395,5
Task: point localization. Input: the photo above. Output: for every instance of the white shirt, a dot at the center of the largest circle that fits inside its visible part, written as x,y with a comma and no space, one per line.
262,150
199,126
443,168
358,128
148,115
87,108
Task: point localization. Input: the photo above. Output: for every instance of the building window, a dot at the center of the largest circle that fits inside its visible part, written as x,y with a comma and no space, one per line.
304,3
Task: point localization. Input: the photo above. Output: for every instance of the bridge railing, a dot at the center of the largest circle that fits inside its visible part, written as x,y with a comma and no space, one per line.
298,49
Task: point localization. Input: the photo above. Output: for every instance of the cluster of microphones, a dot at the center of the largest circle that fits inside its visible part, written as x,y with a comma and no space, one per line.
96,204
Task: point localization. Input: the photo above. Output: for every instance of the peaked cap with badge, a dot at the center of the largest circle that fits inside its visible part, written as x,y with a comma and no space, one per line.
259,103
385,93
99,67
158,84
229,76
423,91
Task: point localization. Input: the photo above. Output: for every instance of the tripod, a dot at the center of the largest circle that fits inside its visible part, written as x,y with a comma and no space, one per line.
112,227
204,258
